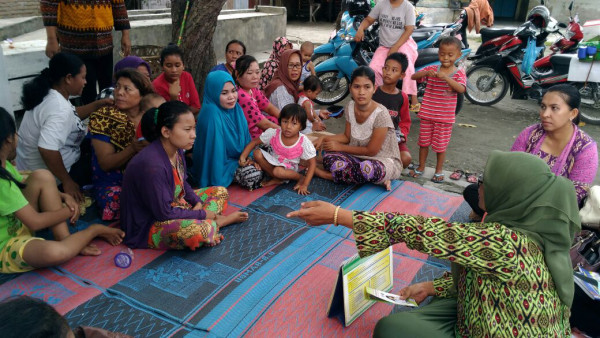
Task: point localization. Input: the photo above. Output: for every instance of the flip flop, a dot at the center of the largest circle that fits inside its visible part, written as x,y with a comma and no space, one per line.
437,178
471,177
415,173
457,174
411,166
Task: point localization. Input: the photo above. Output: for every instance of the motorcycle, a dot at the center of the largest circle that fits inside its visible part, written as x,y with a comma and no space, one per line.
567,43
493,38
335,72
490,78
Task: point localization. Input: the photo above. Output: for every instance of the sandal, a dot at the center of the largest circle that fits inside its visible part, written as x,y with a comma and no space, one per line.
471,177
415,173
457,174
415,108
437,178
411,166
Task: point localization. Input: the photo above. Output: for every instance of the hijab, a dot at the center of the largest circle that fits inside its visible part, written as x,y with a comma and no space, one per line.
221,135
282,76
131,61
272,64
523,194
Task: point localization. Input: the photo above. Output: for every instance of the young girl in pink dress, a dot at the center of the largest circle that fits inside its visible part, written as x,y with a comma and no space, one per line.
285,148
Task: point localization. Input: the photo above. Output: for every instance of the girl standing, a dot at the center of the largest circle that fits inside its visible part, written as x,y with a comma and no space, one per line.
287,147
159,208
367,151
396,24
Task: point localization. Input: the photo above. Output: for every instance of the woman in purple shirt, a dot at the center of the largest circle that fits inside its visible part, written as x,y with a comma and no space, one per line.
557,140
159,209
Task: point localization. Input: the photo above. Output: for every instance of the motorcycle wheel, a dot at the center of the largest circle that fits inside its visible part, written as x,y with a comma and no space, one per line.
330,95
479,91
318,58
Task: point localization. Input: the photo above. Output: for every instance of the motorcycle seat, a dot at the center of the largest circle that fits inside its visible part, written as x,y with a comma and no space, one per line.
561,60
427,56
420,36
491,33
437,25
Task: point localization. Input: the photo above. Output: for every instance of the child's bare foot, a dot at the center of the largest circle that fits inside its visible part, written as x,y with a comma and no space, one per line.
90,250
273,181
234,217
388,185
113,236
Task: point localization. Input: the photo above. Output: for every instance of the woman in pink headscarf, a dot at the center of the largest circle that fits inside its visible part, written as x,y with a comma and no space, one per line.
280,45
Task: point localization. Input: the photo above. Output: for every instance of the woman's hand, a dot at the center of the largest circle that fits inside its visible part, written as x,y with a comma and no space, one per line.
324,114
70,202
243,161
315,213
139,145
210,214
198,206
331,146
418,291
318,143
71,188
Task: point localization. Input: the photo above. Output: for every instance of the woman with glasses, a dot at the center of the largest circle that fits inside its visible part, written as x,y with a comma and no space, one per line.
511,275
112,130
283,89
557,140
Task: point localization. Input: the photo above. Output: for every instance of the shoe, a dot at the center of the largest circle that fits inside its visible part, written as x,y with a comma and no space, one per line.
437,178
415,108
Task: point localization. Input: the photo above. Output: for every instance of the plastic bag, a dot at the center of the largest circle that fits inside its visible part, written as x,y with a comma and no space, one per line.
529,56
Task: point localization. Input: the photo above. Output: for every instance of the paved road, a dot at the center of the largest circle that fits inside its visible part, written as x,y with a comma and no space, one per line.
496,127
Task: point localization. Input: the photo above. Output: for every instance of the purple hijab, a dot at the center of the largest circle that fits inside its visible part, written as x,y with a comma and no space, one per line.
131,61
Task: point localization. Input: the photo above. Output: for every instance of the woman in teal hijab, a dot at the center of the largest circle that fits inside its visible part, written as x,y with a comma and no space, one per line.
221,133
511,274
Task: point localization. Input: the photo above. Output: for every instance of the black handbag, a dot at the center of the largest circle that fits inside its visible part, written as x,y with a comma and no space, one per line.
585,251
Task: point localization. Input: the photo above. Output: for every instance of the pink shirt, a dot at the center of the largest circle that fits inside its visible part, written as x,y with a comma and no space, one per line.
188,93
439,101
253,104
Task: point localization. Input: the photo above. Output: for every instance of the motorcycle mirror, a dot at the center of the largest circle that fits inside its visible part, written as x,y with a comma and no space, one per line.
562,25
571,6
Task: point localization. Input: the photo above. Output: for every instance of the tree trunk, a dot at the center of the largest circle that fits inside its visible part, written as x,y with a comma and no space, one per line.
196,43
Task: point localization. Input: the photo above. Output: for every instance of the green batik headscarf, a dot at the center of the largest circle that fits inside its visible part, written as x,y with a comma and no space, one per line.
523,194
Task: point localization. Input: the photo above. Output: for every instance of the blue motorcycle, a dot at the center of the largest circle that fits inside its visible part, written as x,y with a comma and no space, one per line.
335,72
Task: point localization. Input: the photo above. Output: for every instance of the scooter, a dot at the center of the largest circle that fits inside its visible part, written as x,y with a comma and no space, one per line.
493,38
490,78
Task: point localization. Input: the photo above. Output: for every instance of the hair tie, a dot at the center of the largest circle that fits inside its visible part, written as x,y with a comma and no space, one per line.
155,116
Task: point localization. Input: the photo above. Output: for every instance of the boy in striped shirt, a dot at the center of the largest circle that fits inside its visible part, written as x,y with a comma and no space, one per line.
439,104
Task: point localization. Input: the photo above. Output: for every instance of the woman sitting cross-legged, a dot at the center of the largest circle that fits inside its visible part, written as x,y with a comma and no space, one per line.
511,275
367,151
27,206
112,130
159,209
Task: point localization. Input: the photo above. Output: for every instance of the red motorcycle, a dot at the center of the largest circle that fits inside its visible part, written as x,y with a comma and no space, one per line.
489,78
566,44
494,38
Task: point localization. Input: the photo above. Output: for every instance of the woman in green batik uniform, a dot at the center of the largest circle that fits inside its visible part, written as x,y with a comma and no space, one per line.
511,276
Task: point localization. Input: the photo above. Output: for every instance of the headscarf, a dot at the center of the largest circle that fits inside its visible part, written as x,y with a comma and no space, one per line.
221,135
131,61
479,12
272,64
523,194
282,76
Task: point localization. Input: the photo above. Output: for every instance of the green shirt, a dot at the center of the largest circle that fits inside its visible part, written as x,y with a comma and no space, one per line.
11,200
505,289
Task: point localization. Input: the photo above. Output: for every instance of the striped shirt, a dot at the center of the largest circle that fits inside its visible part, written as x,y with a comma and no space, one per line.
439,101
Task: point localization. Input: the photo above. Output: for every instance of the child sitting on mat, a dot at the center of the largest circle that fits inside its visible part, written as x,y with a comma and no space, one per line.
287,146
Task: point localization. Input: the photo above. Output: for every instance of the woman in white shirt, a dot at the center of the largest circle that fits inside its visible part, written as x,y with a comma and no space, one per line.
52,130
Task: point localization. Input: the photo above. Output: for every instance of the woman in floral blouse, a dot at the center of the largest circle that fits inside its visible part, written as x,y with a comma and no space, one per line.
511,276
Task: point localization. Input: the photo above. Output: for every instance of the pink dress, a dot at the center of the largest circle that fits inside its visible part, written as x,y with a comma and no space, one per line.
280,155
253,103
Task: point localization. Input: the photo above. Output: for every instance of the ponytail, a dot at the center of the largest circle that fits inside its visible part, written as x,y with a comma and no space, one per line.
164,116
61,65
7,129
